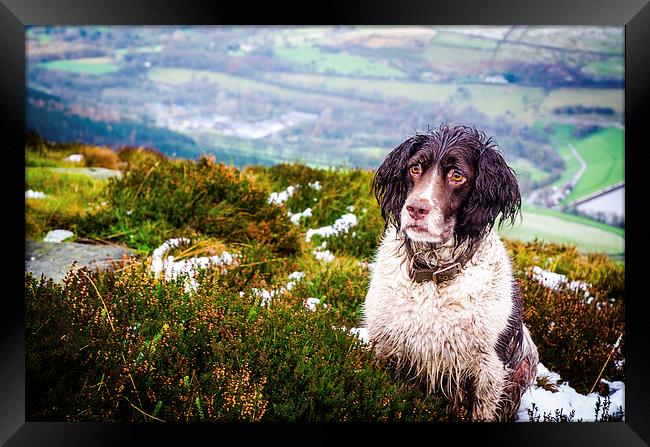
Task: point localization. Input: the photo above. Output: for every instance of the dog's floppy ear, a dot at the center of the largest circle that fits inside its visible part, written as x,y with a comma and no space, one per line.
390,184
495,192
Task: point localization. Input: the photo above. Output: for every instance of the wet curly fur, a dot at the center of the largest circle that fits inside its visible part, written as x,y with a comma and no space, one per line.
440,194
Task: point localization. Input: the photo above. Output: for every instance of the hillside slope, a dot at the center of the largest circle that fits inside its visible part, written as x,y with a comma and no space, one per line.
246,301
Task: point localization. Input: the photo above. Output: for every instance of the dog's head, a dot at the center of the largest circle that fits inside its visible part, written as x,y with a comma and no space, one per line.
449,182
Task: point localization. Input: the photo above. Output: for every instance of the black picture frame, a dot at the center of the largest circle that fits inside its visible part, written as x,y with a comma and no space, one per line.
634,15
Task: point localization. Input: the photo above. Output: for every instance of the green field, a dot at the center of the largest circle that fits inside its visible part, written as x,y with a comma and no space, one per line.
523,165
614,66
492,100
453,55
526,103
179,76
342,63
551,226
588,97
464,40
604,153
86,65
368,88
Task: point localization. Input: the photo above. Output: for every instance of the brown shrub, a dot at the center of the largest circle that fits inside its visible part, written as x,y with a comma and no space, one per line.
102,157
147,156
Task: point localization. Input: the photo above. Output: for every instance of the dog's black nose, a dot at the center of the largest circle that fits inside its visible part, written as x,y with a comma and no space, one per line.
418,210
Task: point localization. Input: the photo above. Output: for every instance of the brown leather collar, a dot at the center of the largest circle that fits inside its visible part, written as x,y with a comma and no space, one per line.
441,274
445,274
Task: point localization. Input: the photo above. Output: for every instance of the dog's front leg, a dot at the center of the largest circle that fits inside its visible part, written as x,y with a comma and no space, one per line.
490,380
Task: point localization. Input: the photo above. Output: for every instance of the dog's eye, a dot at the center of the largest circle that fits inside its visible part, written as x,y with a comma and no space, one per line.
456,177
415,170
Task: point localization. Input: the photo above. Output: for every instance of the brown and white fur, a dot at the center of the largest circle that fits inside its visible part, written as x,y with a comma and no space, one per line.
440,195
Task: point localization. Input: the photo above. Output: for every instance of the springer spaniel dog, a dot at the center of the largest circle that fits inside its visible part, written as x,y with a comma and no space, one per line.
443,304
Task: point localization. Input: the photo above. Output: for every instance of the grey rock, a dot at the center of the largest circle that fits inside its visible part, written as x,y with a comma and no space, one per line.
54,260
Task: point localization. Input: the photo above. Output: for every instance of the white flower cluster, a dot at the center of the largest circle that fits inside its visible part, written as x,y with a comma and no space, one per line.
282,196
360,332
266,295
294,278
556,281
161,264
341,225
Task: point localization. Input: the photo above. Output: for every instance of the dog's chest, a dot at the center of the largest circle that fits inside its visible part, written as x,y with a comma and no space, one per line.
456,318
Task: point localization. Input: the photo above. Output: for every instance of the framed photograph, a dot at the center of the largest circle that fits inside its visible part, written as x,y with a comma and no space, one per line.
271,103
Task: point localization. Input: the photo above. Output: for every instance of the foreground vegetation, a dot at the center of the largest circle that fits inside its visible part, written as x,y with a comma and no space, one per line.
243,345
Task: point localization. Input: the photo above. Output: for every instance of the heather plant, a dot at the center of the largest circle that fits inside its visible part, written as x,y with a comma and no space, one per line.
151,203
140,348
579,335
129,155
130,345
330,194
341,285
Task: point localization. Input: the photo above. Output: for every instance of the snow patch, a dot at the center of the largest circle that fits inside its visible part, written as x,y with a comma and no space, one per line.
341,225
75,158
568,399
58,236
280,197
556,281
267,295
361,333
29,194
171,269
324,255
295,218
311,303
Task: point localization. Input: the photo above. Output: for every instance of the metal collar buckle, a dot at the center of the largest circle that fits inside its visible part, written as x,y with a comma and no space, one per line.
437,276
